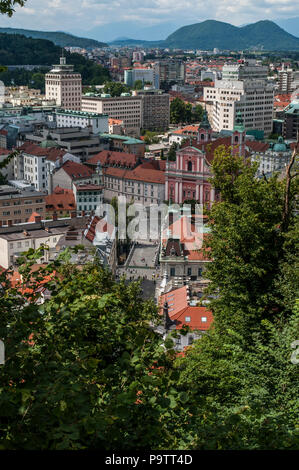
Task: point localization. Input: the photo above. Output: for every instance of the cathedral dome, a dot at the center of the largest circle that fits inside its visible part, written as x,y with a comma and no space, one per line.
280,146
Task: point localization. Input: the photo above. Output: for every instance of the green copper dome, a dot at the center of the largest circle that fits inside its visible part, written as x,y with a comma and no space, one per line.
280,146
48,143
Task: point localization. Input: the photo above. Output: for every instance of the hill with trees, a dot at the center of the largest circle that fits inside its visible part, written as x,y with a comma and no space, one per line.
20,50
209,34
263,35
57,37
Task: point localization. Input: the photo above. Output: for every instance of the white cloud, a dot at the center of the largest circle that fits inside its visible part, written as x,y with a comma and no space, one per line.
83,15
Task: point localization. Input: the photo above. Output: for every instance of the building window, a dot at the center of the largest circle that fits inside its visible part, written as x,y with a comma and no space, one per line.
187,319
172,271
189,271
204,319
189,166
199,272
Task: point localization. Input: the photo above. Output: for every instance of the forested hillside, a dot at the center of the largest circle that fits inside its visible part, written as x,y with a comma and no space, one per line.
58,37
19,50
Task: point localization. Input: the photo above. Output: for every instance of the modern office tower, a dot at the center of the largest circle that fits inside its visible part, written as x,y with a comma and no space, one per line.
64,86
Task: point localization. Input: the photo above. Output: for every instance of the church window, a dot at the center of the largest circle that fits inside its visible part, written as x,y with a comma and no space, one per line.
189,166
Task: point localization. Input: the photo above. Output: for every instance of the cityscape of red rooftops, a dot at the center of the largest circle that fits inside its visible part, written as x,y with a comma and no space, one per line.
149,228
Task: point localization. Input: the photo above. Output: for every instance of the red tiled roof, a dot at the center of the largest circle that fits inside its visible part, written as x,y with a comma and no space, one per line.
140,173
196,315
115,121
98,225
187,129
90,234
107,157
77,170
51,153
176,299
257,146
5,151
144,174
179,309
32,217
61,200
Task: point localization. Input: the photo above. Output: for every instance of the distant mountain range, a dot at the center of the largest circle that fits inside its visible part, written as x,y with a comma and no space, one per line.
210,34
291,25
57,37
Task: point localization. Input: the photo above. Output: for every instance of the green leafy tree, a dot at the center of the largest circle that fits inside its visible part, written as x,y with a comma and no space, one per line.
84,370
7,6
197,113
116,88
239,378
138,85
177,111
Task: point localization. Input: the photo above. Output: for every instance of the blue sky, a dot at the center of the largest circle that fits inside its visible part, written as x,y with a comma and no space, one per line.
92,16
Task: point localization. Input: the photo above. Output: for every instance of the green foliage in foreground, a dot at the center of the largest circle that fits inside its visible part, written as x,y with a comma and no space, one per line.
75,382
85,370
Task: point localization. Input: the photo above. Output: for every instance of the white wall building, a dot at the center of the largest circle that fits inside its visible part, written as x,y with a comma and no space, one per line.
127,108
69,118
64,86
252,97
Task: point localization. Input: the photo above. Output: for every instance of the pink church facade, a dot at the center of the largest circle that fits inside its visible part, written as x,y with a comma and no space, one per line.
188,177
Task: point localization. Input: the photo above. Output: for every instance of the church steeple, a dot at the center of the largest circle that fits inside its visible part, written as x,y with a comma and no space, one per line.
204,130
238,136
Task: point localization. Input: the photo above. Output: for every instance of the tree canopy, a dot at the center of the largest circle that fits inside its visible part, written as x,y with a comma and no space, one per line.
7,6
87,369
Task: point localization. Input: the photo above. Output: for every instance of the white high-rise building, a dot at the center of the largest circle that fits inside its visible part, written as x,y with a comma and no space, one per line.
64,86
243,88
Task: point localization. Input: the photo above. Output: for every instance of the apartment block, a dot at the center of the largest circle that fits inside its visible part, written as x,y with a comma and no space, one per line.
64,86
17,206
155,110
68,118
170,71
126,108
252,97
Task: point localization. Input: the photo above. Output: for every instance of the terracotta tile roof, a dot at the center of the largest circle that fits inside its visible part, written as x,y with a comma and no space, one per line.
154,164
176,299
256,146
200,318
183,234
5,151
187,130
179,308
140,173
90,234
107,157
98,225
114,121
32,217
61,200
144,174
51,153
77,170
